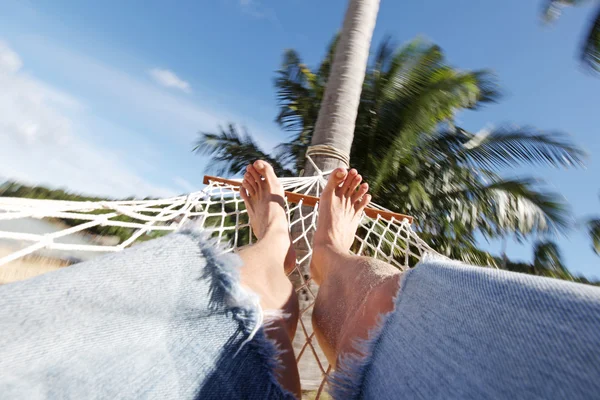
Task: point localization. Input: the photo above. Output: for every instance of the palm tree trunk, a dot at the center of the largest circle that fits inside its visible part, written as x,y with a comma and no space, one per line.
335,128
337,116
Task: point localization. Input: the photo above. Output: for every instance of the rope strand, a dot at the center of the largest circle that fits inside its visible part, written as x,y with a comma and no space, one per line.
328,151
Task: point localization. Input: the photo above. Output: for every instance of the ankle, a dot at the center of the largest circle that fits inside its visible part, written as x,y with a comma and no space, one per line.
324,262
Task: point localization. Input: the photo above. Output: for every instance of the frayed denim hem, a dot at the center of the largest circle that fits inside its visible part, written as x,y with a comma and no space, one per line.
223,270
347,381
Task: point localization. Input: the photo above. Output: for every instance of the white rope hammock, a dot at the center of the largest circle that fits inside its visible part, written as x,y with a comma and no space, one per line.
220,210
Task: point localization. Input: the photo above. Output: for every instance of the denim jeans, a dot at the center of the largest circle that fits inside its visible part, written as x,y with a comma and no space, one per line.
464,332
168,319
165,319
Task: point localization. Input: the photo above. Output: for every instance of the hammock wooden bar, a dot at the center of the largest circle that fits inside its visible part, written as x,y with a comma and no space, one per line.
311,201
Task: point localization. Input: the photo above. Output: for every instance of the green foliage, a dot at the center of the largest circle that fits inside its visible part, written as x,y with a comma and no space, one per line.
231,225
547,257
547,261
15,189
590,49
594,231
232,152
593,228
417,161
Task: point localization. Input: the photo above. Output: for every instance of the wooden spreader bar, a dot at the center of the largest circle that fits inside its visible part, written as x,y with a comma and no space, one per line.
312,200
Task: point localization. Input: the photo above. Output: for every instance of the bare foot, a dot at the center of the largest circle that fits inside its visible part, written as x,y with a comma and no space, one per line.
265,263
353,291
340,211
264,199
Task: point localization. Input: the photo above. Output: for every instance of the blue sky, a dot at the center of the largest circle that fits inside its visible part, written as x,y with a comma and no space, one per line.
107,97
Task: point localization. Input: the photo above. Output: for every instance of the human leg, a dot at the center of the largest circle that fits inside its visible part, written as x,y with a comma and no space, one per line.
170,318
353,291
264,272
166,319
444,329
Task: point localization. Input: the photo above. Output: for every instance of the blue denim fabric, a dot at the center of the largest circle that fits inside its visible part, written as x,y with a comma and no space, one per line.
463,332
164,320
168,319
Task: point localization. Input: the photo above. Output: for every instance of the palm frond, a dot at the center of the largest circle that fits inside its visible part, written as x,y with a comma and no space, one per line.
546,256
521,209
590,52
489,88
231,152
515,206
551,9
590,48
503,148
593,226
295,95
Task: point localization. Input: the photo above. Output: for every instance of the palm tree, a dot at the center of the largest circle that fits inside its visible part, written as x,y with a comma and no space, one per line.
334,126
590,48
547,261
593,227
408,147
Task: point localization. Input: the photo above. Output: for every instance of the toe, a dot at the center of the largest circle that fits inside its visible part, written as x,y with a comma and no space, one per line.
352,174
244,194
250,187
266,170
253,173
252,181
358,195
335,178
360,206
253,177
353,185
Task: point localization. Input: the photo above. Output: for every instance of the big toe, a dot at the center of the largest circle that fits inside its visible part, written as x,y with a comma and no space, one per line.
266,170
335,178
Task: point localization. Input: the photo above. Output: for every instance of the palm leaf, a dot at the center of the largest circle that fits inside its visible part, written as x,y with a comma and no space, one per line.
594,231
546,256
503,148
590,48
515,206
294,95
551,9
231,152
590,52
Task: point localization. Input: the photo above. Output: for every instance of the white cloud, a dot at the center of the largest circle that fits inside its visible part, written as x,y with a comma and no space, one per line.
169,79
42,140
9,60
179,118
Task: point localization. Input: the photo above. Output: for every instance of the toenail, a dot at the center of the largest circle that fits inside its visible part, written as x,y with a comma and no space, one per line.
340,174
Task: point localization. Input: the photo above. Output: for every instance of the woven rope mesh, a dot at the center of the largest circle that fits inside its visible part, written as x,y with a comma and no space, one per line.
69,235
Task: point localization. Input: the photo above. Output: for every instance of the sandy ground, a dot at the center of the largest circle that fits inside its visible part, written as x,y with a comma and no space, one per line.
27,267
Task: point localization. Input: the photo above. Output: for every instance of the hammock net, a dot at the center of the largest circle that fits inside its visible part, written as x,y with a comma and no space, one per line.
74,236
